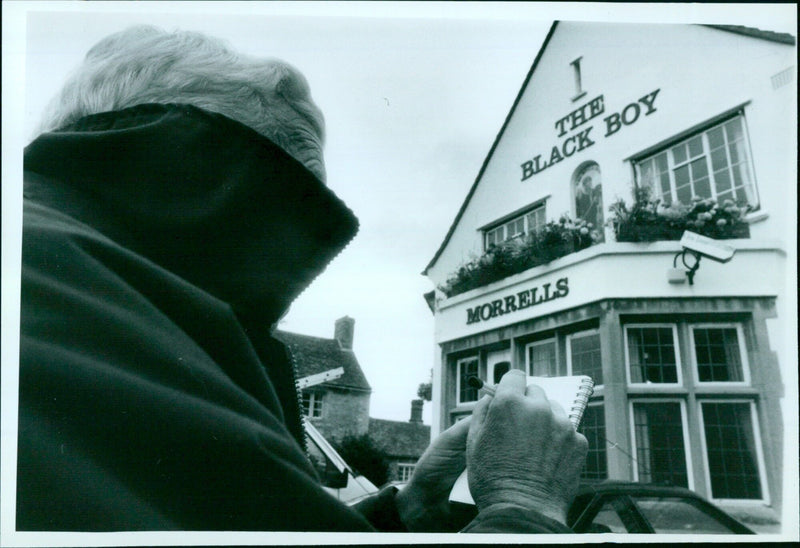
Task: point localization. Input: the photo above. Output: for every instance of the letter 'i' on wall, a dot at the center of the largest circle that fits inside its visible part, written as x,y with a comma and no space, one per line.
576,68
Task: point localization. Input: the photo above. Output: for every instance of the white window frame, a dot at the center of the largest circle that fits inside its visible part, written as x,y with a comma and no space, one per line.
315,402
687,448
677,349
405,467
551,340
759,451
742,354
503,227
459,363
703,134
568,347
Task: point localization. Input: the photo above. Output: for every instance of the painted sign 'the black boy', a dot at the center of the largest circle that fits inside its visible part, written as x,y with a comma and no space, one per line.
582,140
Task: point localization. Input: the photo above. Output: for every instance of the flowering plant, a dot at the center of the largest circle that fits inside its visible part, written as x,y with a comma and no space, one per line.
649,220
553,240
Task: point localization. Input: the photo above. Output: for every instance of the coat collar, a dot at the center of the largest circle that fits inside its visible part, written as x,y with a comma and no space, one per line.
199,194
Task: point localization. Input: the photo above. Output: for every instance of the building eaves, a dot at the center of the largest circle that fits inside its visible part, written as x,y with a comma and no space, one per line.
779,37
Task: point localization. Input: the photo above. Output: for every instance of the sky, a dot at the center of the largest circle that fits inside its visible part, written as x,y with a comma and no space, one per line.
413,96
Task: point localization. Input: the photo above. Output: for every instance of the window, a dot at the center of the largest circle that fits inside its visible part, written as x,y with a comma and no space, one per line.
651,353
712,164
658,433
718,354
583,355
500,369
730,435
541,357
312,404
593,426
519,226
465,369
405,471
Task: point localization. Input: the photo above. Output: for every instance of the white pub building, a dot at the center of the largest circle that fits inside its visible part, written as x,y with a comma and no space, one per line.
697,123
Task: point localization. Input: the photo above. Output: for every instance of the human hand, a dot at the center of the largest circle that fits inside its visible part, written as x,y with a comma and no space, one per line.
423,504
522,449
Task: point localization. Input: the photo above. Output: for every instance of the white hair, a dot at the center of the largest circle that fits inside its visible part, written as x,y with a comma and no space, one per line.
144,64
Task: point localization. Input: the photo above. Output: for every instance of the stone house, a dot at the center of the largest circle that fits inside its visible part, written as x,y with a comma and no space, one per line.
337,407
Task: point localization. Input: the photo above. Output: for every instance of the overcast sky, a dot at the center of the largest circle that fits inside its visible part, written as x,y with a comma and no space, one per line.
413,96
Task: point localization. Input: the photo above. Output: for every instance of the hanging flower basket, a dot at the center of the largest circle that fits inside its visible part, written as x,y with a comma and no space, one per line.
552,241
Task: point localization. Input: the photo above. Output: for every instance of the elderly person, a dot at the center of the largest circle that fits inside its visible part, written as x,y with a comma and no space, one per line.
174,207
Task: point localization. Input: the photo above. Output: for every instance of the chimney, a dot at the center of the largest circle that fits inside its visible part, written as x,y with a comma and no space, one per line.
343,332
416,411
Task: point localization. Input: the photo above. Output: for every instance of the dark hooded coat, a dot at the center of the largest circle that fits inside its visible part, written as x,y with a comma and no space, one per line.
161,243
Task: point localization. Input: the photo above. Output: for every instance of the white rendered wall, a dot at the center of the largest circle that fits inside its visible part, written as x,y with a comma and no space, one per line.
701,72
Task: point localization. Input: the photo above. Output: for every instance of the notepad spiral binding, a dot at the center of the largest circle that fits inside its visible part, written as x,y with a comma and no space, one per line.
584,393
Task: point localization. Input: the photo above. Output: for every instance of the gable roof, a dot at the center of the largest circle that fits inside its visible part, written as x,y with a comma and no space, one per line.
779,37
400,439
316,355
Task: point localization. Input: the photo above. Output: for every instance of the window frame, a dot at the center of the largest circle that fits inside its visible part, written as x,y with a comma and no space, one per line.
687,447
405,467
315,403
459,363
505,222
683,139
742,353
550,340
568,349
760,462
676,349
495,358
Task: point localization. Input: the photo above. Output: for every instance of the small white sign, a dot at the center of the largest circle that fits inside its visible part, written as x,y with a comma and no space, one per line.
707,247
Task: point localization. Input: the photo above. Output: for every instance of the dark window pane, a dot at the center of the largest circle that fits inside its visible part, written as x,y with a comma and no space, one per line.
661,162
717,355
702,188
660,453
732,453
695,146
593,426
733,129
719,160
723,181
699,168
651,351
679,154
500,369
715,138
466,370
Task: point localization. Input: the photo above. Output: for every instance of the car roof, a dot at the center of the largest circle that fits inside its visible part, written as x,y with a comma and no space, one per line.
629,487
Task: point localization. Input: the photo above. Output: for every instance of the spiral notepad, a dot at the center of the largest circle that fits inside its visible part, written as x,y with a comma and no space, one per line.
572,393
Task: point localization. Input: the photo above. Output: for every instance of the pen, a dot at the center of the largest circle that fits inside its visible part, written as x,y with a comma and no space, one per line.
478,384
